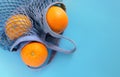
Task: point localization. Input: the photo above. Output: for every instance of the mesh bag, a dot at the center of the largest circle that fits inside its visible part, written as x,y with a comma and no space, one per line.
30,18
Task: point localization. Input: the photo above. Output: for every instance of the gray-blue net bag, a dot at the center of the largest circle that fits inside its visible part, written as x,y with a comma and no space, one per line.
31,16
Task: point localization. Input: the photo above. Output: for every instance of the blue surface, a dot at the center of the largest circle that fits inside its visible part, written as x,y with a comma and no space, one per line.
95,26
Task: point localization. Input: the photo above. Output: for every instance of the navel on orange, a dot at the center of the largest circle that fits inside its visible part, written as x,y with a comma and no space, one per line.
34,54
17,25
57,19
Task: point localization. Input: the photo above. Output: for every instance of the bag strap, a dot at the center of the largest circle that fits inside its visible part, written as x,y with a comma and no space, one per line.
25,39
59,49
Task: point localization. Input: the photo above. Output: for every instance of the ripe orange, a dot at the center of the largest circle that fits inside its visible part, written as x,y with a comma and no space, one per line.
57,19
34,54
17,25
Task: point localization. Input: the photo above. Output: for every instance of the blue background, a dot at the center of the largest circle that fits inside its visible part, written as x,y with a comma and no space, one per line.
95,27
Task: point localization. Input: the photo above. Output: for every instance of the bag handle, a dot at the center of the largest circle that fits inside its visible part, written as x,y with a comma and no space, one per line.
59,49
25,39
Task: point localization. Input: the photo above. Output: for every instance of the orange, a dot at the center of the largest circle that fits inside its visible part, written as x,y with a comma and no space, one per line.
17,25
34,54
57,19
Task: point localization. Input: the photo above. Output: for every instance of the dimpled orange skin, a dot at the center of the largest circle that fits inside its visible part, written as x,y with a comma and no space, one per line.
34,54
17,25
57,19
